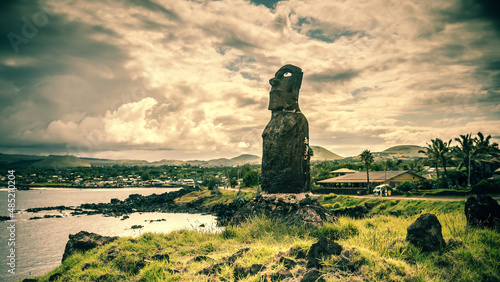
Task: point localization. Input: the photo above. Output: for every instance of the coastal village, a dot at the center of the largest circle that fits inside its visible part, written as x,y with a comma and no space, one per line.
415,165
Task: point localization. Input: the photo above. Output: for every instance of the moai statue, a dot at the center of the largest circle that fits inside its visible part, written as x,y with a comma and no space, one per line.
285,158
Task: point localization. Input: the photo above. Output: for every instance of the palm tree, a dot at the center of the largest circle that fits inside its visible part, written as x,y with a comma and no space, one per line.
484,151
463,153
414,166
444,156
438,152
367,158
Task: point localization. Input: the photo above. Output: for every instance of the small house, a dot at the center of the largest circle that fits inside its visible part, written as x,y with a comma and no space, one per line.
343,171
358,179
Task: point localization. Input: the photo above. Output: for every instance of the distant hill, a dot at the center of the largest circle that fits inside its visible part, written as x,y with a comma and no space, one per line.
322,154
61,161
19,160
403,151
108,162
247,159
239,160
54,161
400,152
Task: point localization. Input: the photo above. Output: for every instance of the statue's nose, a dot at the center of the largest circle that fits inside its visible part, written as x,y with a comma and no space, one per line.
274,81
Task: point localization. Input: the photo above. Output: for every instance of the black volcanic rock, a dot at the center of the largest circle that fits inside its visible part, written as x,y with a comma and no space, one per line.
425,232
482,210
324,247
289,208
138,203
84,241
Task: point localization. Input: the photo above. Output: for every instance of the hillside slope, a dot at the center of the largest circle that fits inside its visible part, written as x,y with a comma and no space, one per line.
61,161
322,154
403,151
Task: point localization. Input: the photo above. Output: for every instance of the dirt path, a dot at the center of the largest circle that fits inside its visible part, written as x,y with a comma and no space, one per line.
437,198
413,198
442,198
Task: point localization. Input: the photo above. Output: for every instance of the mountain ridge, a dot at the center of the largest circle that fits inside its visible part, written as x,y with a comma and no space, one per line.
404,152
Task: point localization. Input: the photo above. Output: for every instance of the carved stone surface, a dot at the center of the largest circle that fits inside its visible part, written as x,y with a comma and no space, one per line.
286,157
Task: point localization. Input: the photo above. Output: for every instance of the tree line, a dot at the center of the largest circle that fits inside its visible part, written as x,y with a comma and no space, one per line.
474,159
478,156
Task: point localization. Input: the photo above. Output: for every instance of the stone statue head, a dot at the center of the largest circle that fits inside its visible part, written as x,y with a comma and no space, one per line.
285,84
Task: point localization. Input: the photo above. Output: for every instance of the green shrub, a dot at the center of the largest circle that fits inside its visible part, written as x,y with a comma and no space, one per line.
487,186
425,185
406,187
330,196
251,178
229,233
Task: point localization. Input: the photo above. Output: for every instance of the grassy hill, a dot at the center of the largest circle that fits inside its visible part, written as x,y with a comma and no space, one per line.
108,162
61,161
407,150
247,159
72,161
400,152
19,160
322,154
239,160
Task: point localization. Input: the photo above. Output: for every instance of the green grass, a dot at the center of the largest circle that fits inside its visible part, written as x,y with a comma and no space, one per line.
387,206
377,246
209,200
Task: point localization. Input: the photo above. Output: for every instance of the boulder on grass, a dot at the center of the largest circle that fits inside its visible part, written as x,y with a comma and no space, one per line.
425,232
84,241
482,211
324,247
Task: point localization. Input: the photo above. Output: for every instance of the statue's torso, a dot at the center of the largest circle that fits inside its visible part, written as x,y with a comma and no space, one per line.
285,160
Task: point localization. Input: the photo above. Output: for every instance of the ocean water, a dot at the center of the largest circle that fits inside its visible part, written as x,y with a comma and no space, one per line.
39,244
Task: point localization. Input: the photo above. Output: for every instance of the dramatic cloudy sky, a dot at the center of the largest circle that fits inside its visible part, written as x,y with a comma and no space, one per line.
155,79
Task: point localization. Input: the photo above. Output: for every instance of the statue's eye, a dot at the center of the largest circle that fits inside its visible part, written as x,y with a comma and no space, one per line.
287,74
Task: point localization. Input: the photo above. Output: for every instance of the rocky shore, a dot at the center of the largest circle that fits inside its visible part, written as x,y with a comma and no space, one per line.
136,203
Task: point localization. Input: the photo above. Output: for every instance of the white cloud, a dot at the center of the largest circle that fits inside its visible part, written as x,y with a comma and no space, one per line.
193,75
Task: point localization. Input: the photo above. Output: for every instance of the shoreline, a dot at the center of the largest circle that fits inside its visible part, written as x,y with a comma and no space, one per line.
90,188
135,203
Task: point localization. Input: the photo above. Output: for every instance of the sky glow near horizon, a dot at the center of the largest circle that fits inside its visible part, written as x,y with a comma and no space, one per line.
189,79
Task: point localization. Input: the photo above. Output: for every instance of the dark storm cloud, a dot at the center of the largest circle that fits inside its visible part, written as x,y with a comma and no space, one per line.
469,10
148,73
493,65
333,76
61,71
53,46
12,12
